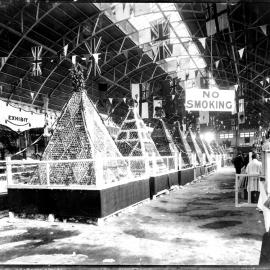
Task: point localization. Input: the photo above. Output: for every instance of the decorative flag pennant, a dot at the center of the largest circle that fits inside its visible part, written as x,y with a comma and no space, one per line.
264,29
36,64
203,40
267,79
241,51
65,49
3,61
204,117
32,95
216,63
74,59
173,96
124,99
111,100
235,87
96,66
125,52
261,82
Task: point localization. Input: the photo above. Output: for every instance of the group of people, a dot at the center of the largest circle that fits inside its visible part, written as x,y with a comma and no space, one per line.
255,183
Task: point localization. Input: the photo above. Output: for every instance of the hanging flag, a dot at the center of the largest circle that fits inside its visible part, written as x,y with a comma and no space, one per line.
157,108
145,111
204,117
203,41
3,61
111,100
264,29
65,49
32,94
173,96
211,28
135,93
223,22
124,99
37,61
267,79
160,33
235,87
241,117
241,51
216,63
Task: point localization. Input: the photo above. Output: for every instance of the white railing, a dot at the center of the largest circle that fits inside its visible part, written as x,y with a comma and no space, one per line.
243,182
85,173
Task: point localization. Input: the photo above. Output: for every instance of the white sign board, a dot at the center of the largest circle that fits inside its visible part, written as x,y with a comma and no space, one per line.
210,100
18,119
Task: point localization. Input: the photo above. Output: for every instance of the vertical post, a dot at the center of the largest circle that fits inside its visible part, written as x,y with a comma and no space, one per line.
249,194
236,190
9,171
147,166
48,173
179,161
267,170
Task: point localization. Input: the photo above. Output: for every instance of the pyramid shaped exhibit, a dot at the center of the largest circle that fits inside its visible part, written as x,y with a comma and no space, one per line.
81,134
202,147
134,139
182,145
163,140
191,138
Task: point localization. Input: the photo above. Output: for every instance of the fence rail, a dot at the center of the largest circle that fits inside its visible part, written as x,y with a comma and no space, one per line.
244,182
85,173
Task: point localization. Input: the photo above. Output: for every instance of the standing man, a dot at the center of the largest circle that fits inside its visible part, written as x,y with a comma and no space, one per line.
238,162
254,167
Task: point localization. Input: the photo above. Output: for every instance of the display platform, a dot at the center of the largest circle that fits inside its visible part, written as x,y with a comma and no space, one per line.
3,201
186,176
65,203
163,182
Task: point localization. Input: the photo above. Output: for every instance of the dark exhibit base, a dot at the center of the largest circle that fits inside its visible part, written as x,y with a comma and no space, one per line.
186,176
65,203
162,182
3,201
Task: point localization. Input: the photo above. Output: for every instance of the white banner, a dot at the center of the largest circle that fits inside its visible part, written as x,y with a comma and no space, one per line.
18,119
210,100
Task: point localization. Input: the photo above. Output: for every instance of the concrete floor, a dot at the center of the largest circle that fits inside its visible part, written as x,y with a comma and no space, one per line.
196,225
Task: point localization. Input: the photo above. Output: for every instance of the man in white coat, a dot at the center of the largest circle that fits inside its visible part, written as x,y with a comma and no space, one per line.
254,168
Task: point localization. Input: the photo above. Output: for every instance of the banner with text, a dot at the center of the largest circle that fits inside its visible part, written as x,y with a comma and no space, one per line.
210,100
18,119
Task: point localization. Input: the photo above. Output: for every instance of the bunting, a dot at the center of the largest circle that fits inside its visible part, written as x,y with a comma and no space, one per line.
261,82
216,63
211,27
3,61
65,49
111,100
267,79
37,61
264,29
241,51
203,41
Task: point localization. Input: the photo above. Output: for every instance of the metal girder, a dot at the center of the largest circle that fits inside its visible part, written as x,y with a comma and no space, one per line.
24,35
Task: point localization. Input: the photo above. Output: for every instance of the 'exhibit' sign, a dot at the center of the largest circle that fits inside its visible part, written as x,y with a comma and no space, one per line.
210,100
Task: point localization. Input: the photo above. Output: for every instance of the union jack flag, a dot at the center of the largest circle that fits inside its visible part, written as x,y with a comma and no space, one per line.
160,36
37,61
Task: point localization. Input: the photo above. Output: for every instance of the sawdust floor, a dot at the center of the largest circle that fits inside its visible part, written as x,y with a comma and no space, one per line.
196,225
